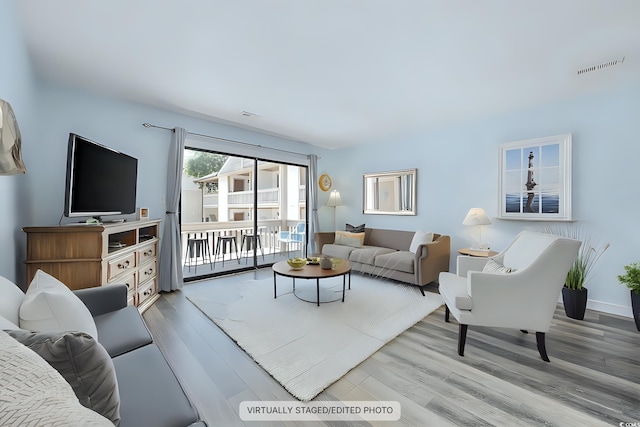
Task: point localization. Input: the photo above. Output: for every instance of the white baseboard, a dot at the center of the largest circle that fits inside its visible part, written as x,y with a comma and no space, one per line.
606,307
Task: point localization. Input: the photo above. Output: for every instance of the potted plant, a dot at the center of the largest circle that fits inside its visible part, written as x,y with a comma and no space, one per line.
574,294
631,279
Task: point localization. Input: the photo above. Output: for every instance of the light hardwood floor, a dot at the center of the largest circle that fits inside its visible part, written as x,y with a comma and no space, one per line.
593,378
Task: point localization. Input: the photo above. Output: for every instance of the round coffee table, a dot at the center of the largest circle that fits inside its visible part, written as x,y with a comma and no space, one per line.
342,268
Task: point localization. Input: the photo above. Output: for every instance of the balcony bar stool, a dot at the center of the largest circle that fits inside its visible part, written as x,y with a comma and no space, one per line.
251,241
224,241
198,247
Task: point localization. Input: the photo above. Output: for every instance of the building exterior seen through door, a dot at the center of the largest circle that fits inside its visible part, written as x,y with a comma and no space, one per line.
243,210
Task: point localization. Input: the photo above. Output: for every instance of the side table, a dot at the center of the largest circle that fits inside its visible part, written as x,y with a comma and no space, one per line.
477,252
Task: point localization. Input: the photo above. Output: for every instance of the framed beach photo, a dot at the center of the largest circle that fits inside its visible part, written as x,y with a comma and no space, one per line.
535,179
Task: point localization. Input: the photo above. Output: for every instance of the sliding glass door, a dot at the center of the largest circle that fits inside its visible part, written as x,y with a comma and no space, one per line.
240,213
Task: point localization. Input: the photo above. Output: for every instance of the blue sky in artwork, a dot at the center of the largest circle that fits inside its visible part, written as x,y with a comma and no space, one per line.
544,156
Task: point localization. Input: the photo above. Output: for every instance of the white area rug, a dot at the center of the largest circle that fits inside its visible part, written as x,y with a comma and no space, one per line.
304,347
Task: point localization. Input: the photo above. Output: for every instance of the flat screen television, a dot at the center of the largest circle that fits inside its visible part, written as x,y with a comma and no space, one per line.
100,180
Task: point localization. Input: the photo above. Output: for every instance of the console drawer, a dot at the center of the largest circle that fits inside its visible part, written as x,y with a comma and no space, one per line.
120,266
147,253
147,271
146,291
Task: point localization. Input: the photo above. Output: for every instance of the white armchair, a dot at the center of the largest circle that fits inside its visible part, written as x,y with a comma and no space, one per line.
518,289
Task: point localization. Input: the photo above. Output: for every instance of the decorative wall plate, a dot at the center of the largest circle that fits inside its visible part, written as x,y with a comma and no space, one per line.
325,182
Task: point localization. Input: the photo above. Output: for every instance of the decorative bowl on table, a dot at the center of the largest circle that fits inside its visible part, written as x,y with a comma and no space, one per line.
313,260
297,263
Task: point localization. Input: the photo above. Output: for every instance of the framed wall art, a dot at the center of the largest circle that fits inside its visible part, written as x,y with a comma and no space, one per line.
535,179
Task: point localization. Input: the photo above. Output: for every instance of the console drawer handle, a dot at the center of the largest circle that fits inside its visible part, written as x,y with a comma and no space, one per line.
123,266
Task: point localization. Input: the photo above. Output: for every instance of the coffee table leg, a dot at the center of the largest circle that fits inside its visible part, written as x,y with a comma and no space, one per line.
344,282
274,285
318,290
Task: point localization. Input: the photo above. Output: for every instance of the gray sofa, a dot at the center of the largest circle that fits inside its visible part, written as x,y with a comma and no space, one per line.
125,379
150,394
385,253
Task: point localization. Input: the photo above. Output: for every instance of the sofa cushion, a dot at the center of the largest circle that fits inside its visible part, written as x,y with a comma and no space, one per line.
150,394
11,297
368,254
337,251
83,363
419,238
35,394
346,238
453,289
49,306
111,326
396,260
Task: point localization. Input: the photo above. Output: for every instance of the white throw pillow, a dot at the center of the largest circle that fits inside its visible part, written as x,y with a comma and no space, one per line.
11,297
6,324
492,266
49,306
419,238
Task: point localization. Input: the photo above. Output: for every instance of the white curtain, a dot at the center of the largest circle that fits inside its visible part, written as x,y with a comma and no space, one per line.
314,223
171,244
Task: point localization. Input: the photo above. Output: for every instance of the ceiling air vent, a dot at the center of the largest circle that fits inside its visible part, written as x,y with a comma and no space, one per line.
601,66
248,114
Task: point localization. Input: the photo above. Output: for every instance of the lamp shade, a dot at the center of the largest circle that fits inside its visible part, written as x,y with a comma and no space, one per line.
334,199
476,216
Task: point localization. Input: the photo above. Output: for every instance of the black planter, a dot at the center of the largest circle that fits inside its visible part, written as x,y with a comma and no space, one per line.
575,302
635,306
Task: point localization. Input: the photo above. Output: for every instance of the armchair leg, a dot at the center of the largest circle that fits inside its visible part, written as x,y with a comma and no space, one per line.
462,339
542,349
524,331
446,313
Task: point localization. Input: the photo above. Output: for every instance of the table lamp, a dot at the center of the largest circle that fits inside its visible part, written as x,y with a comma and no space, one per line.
478,218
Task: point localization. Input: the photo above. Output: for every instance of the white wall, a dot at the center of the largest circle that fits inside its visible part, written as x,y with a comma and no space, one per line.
16,87
458,169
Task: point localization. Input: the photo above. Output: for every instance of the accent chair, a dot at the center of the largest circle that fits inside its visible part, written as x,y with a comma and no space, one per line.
518,288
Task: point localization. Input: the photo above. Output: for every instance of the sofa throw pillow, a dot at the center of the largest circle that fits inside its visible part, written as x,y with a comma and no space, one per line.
49,306
354,228
420,237
83,363
345,238
11,297
35,394
7,324
492,266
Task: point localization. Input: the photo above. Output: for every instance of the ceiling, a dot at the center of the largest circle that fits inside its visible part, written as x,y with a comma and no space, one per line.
335,73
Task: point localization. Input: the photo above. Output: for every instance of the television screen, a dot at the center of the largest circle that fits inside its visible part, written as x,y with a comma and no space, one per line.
100,180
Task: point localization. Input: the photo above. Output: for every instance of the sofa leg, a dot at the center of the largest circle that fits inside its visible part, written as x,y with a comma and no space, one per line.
421,291
542,349
524,331
446,313
462,339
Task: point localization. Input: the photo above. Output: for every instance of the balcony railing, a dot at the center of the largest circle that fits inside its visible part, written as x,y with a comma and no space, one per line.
269,196
268,230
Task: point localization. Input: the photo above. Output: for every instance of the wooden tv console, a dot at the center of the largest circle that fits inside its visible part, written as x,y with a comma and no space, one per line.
85,256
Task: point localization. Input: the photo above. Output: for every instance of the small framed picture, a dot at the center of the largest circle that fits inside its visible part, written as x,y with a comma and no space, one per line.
535,179
143,213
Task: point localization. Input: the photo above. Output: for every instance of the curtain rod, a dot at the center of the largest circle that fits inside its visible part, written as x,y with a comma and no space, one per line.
149,125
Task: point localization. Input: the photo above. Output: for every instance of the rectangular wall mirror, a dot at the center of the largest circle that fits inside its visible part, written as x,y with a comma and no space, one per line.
390,193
